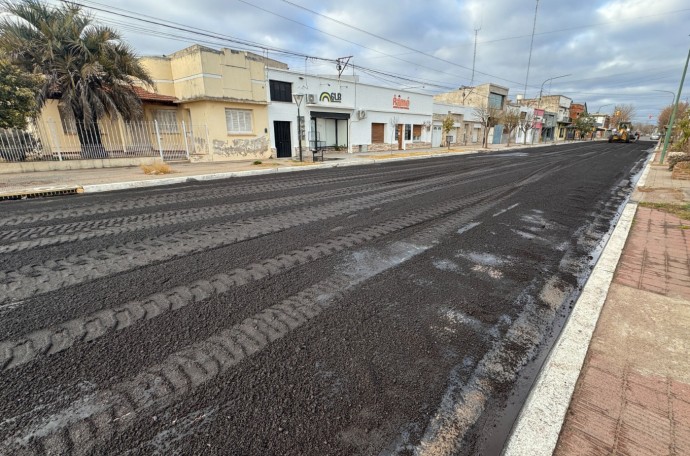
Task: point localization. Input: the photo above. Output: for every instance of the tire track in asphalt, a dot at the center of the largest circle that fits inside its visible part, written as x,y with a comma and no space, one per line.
206,193
57,234
60,337
60,234
97,418
463,403
55,274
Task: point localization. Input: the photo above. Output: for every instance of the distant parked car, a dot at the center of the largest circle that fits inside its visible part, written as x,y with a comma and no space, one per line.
655,136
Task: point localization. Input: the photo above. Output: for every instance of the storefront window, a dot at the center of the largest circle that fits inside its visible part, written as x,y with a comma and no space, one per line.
417,133
408,132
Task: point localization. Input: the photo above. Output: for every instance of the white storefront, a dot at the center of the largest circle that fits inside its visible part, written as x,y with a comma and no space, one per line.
344,114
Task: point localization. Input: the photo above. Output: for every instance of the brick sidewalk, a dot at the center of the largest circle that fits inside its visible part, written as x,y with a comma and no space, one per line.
633,395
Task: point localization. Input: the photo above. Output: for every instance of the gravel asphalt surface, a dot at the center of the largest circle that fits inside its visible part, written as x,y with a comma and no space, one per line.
388,309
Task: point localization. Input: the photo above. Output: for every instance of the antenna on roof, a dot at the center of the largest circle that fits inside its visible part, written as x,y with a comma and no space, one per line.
341,63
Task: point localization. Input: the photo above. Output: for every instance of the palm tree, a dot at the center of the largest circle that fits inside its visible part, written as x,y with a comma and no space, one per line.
84,65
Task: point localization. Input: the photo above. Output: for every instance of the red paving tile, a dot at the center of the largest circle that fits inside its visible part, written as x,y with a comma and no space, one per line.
615,409
680,390
647,397
644,428
592,423
576,443
680,411
681,437
654,382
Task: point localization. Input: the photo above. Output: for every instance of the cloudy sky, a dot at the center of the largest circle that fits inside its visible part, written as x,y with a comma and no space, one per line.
613,51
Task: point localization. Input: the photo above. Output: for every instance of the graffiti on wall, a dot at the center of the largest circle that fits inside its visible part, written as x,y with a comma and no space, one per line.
250,148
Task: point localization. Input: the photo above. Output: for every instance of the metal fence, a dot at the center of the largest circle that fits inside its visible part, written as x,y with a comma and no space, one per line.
49,140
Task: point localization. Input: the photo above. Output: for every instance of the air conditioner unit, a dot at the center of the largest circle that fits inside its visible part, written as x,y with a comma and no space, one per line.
311,98
361,114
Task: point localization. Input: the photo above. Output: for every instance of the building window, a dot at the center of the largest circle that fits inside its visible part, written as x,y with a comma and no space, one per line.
416,132
280,91
408,132
239,121
377,133
167,120
496,100
69,125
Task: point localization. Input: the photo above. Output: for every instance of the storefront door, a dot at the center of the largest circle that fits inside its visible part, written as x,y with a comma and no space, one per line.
281,132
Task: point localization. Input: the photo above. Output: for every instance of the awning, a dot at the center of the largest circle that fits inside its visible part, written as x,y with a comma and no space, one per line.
330,115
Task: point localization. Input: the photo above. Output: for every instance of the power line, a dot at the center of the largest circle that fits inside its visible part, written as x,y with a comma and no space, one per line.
391,41
202,32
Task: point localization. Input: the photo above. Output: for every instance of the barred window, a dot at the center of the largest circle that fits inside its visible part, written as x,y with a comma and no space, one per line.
69,125
239,121
167,120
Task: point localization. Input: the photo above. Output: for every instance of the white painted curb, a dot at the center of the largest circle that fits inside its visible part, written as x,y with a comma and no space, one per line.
539,424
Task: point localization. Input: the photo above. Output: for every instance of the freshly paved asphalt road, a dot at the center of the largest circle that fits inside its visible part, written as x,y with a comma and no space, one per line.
387,309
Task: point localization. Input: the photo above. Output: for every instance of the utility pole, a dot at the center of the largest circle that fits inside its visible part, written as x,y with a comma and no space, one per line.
673,113
474,57
529,59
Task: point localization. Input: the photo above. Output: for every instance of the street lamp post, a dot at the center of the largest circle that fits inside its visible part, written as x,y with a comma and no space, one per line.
298,97
542,89
602,106
675,108
550,79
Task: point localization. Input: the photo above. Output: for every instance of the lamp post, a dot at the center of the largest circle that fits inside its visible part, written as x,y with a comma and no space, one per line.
298,97
542,89
673,113
550,79
602,106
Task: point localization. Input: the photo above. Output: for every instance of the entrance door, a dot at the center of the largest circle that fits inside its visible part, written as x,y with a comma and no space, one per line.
498,134
281,131
436,136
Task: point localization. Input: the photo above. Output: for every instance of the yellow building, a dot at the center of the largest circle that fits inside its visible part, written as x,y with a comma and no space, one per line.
223,91
206,104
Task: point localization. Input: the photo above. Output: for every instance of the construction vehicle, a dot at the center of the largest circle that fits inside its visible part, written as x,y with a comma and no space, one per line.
622,133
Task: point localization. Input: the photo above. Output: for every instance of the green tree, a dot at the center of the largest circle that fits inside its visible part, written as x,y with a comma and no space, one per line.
17,95
585,124
86,66
447,125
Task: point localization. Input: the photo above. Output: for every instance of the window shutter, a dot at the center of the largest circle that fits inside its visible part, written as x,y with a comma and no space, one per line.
238,121
377,133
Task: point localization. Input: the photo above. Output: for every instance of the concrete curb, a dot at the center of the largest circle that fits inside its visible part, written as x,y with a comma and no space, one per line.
538,426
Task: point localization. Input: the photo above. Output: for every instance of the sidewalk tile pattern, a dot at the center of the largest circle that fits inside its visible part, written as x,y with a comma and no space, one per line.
657,255
617,409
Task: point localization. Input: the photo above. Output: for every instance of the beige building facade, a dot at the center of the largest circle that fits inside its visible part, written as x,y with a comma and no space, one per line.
206,104
223,91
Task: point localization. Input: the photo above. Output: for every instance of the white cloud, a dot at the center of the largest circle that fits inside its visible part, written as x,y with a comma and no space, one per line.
617,51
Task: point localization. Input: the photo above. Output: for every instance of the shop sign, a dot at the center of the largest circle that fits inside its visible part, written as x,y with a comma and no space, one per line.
332,97
401,103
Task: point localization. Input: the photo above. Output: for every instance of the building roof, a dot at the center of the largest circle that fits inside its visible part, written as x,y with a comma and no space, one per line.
145,95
